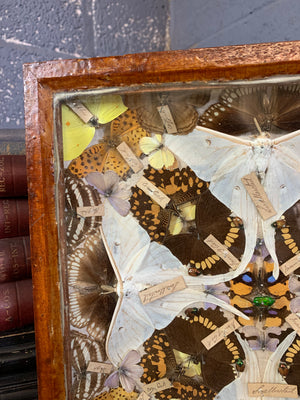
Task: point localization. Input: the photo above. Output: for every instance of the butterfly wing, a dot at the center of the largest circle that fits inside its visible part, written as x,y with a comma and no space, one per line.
107,108
76,134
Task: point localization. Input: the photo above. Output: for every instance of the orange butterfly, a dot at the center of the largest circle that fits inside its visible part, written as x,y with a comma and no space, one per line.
104,156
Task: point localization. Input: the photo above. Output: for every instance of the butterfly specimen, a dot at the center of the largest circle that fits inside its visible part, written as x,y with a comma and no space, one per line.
291,359
262,298
86,385
159,156
287,236
117,394
266,339
276,108
182,107
77,134
185,336
108,185
104,156
159,361
192,214
224,160
92,300
140,264
78,194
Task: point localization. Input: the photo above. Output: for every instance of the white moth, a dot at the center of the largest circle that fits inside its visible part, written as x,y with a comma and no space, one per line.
223,160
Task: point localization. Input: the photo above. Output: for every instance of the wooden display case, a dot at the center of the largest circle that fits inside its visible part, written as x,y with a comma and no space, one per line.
195,122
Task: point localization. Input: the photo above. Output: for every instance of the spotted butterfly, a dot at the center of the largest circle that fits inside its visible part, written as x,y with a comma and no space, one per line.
117,394
104,156
276,108
182,107
92,298
291,360
259,283
86,385
78,194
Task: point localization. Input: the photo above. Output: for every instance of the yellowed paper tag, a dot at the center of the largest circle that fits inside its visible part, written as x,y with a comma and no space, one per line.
91,211
100,368
294,321
222,251
152,191
167,119
290,265
134,163
143,396
157,386
79,109
220,333
258,196
162,289
272,390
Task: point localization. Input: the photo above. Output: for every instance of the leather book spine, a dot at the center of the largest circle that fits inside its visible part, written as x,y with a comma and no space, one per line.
15,259
13,177
14,217
16,304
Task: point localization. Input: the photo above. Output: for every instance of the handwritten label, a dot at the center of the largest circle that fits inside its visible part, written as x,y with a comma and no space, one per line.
143,396
157,386
290,265
162,289
134,163
100,368
272,390
167,119
79,109
152,191
91,211
294,321
258,196
222,251
220,333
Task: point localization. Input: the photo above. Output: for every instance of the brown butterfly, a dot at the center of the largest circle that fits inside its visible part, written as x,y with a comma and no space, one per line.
182,106
86,385
276,109
290,369
159,361
258,283
117,394
287,235
92,300
78,194
104,156
177,352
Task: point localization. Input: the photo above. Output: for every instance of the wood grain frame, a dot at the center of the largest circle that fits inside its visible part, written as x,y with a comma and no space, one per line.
42,82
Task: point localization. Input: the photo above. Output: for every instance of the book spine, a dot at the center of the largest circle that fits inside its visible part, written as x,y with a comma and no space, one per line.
13,178
16,304
14,217
14,259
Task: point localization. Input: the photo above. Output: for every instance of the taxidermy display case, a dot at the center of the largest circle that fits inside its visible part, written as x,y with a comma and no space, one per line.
164,195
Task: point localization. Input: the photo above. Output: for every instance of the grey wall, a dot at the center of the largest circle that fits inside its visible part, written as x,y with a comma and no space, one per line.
38,30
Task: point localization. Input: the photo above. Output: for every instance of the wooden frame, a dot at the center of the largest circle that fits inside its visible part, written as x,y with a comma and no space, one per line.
42,82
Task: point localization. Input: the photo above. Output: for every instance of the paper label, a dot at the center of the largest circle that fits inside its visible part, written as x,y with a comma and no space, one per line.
90,211
290,265
79,109
258,196
134,163
294,321
157,386
220,333
152,191
167,119
222,251
143,396
272,390
100,368
162,289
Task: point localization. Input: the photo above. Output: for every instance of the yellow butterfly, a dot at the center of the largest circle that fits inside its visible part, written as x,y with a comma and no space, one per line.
187,213
190,367
77,134
159,156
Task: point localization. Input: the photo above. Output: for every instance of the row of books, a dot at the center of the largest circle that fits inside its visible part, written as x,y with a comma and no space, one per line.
17,344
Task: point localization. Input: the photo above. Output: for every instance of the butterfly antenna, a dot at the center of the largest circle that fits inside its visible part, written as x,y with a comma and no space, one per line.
258,127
